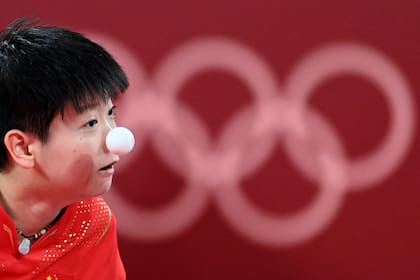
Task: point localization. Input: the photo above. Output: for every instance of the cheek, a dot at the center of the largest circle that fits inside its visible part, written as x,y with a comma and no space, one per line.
84,161
81,156
79,172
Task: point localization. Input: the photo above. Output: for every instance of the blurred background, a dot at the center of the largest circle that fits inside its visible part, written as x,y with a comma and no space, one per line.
275,139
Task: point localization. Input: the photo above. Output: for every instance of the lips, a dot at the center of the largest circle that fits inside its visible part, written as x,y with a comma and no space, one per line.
106,167
109,166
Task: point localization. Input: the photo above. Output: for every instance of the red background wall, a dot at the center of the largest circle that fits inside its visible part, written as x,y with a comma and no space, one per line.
373,234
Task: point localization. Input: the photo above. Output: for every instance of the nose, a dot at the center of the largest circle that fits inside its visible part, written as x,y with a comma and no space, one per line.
106,130
110,124
120,140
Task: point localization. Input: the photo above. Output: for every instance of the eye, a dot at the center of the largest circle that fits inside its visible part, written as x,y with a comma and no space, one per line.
91,123
111,112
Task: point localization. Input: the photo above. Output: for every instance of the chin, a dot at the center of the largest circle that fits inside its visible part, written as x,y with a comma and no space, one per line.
100,190
105,189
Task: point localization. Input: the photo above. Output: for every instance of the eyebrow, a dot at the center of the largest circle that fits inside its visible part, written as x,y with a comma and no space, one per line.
81,108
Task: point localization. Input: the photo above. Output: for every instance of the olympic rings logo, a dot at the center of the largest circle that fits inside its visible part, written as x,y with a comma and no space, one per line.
250,136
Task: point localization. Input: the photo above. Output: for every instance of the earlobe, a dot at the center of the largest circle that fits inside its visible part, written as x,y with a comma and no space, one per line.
18,144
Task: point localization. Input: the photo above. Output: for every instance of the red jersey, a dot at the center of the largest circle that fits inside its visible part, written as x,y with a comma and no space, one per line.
81,245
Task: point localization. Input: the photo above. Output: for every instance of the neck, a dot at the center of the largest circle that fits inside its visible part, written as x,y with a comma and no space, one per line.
30,212
30,217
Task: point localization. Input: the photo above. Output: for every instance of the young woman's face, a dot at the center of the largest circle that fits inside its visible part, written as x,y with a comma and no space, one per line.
75,162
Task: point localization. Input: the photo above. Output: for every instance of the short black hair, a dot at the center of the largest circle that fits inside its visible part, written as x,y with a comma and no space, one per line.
43,68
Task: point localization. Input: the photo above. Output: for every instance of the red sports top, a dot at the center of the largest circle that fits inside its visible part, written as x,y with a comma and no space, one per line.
81,245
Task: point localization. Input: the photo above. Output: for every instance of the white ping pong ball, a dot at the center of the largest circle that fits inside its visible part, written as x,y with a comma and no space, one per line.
120,140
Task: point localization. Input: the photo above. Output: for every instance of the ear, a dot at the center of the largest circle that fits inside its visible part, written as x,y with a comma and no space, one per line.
19,145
